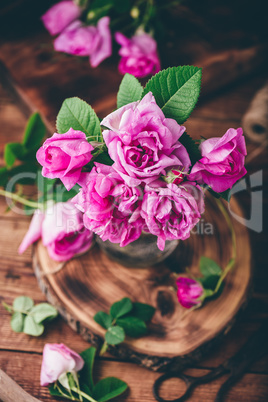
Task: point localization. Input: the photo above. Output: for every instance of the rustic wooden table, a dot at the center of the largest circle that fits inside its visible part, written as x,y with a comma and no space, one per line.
21,355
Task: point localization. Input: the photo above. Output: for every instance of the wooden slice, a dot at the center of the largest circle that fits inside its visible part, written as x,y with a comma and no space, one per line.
92,282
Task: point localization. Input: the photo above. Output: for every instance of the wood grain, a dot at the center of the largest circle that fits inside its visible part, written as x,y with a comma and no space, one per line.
92,282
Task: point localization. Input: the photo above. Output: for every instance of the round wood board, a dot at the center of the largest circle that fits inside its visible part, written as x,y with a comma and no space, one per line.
92,282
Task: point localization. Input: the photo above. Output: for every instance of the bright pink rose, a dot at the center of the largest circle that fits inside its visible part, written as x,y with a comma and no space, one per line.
222,162
62,231
172,211
91,41
110,206
189,292
139,55
142,142
58,360
59,16
63,156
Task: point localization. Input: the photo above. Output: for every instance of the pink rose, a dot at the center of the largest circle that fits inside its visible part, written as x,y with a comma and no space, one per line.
172,211
110,206
222,162
139,55
189,292
142,142
58,360
62,231
91,41
59,16
63,156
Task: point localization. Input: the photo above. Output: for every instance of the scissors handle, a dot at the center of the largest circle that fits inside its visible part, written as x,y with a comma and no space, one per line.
190,382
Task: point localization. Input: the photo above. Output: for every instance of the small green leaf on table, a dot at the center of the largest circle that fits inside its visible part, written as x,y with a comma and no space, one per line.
209,267
34,132
132,326
142,311
31,327
23,303
43,311
115,335
88,356
108,388
103,319
17,322
120,308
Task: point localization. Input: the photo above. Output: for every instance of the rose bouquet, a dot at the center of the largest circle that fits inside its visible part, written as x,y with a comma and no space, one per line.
142,172
85,29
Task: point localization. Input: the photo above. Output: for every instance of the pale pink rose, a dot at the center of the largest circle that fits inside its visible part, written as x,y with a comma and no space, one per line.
142,143
189,292
58,360
63,156
110,206
139,55
171,212
222,162
59,16
62,231
81,40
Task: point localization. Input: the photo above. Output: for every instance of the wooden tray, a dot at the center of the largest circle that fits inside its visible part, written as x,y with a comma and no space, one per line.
92,282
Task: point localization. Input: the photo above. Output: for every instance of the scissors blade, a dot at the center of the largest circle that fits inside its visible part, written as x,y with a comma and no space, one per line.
254,348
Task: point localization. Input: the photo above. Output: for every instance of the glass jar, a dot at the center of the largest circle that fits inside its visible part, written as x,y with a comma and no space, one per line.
141,253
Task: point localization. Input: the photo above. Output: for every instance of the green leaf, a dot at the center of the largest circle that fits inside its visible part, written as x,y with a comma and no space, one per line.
77,114
12,152
226,195
121,307
209,267
191,147
34,132
42,312
17,322
130,90
103,319
3,176
209,282
142,311
115,335
108,388
23,303
88,356
176,91
31,327
132,326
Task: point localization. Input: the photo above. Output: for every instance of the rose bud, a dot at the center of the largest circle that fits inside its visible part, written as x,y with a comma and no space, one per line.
139,55
174,176
58,360
189,292
59,16
62,231
222,162
63,156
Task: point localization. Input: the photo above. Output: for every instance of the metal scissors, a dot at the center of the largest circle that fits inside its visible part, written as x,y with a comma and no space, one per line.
254,349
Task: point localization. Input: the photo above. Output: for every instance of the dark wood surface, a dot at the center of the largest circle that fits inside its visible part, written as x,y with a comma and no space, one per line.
174,339
21,355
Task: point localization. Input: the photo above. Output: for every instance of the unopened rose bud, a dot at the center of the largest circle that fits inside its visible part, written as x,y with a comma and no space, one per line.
189,292
174,176
135,12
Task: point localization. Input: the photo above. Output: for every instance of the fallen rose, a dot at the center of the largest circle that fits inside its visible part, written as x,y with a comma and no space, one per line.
58,360
63,156
189,292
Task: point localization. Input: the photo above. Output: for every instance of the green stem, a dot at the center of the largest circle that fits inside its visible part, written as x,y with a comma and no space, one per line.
83,394
21,200
104,348
231,262
10,309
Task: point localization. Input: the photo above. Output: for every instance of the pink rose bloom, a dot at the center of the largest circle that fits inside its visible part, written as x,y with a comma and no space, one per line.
110,206
58,360
143,143
139,55
91,41
63,156
62,231
172,211
59,16
222,162
189,292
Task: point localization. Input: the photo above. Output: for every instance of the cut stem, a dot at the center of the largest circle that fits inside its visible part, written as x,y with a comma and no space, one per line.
21,200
